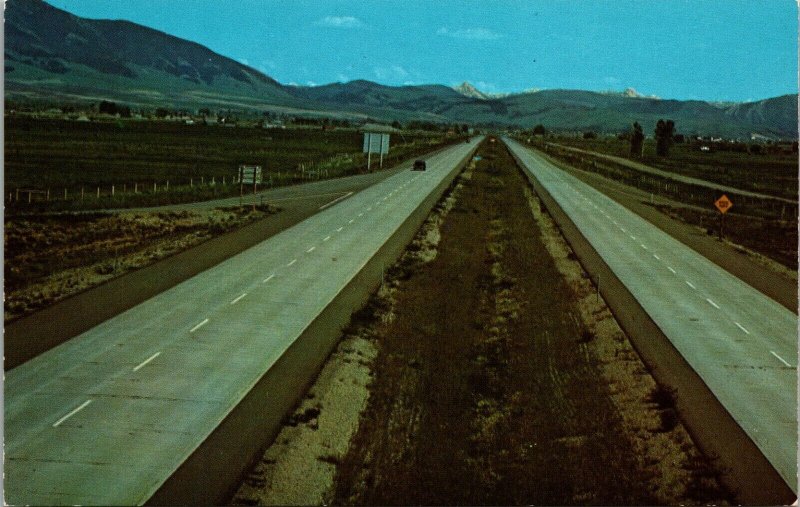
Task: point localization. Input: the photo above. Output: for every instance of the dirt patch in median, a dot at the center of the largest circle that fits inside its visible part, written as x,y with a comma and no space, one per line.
300,466
499,377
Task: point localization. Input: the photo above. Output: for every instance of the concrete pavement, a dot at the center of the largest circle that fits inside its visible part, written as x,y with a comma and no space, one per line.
108,416
741,343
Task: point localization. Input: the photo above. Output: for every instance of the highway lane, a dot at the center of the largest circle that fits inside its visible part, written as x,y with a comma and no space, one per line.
44,329
106,417
741,343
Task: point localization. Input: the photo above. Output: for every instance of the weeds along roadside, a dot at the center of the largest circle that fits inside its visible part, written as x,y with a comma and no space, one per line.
300,465
49,258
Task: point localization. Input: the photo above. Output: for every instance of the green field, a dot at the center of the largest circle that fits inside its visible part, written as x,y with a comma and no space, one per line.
771,170
135,155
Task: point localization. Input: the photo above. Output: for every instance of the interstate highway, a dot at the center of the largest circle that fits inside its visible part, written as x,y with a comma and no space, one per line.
741,343
108,416
31,335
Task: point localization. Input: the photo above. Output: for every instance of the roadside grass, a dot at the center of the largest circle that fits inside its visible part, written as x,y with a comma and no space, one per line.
50,257
776,239
772,170
133,155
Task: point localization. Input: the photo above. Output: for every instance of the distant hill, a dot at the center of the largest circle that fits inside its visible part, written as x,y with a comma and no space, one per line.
51,55
775,116
51,52
387,102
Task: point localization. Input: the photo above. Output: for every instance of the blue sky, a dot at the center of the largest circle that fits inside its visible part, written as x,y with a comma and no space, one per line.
685,49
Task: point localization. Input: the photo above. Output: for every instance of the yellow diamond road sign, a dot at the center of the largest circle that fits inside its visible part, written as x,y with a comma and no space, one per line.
723,204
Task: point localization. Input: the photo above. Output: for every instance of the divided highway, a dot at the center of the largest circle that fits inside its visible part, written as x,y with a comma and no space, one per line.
741,343
109,416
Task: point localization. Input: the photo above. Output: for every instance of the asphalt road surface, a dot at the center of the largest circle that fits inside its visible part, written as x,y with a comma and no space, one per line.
105,418
742,343
677,177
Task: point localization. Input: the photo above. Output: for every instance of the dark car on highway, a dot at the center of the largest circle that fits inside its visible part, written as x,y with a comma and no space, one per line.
419,165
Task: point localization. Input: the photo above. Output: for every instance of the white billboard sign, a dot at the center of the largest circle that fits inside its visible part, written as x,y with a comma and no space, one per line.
376,142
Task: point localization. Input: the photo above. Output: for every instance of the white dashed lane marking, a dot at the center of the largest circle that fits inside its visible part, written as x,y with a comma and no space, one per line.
292,262
311,249
58,423
326,238
741,327
670,268
270,277
238,299
690,284
780,359
143,363
712,303
198,326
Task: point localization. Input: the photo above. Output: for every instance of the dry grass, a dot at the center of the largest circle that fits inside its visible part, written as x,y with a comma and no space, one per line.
49,258
679,472
299,467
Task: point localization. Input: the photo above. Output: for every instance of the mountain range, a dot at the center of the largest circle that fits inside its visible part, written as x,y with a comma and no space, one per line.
52,55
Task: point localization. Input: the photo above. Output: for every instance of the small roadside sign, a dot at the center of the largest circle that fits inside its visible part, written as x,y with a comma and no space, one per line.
723,204
250,174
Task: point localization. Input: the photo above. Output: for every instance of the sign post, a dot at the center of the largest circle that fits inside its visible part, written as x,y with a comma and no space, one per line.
249,174
723,204
375,142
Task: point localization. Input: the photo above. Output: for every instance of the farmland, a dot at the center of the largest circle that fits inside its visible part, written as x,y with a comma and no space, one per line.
770,169
766,226
159,162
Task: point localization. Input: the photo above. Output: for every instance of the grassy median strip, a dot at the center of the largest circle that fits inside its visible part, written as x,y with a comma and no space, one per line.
497,377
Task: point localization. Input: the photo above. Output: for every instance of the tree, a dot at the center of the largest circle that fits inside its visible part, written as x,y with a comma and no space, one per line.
589,135
107,107
664,132
539,130
637,141
396,124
